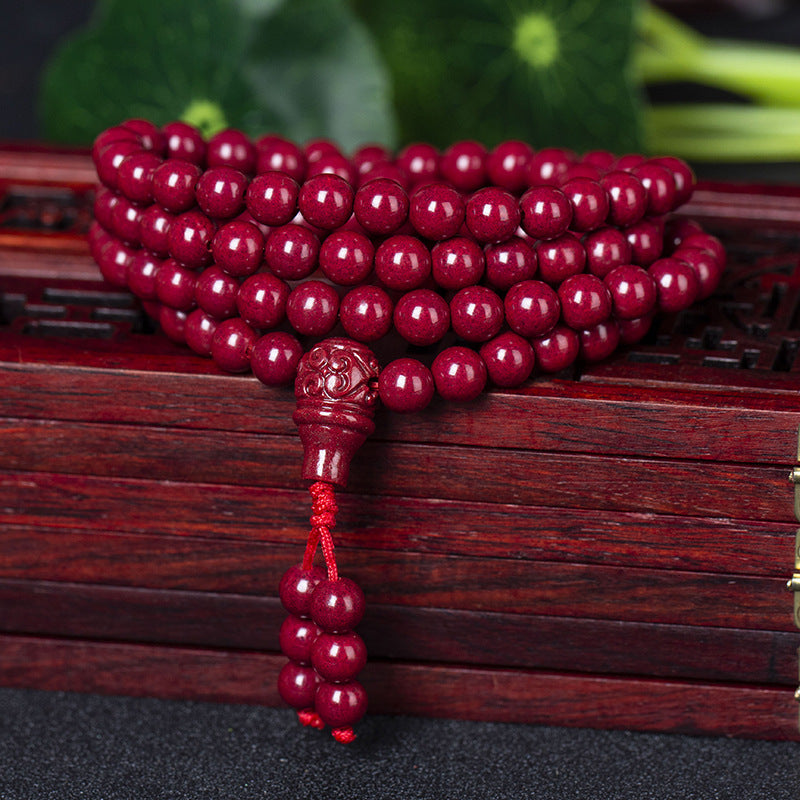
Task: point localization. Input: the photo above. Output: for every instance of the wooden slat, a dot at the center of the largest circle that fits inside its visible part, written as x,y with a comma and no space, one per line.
429,525
405,578
232,621
429,690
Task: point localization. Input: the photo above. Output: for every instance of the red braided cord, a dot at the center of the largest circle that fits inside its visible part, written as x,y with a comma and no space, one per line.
323,518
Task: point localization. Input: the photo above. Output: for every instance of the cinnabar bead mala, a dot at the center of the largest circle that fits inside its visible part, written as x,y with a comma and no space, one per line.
512,262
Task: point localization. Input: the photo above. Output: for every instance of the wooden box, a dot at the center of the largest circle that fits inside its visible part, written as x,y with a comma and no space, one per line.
606,548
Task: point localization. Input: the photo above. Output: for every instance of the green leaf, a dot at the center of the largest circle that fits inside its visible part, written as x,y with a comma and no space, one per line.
219,63
552,72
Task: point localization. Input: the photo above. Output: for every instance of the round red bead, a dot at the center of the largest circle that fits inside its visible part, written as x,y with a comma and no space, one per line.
548,166
633,291
492,215
585,301
297,685
261,300
274,359
560,258
291,252
436,211
629,161
459,374
231,345
369,156
546,212
381,206
126,221
104,202
337,605
557,349
111,135
509,359
646,240
215,293
403,262
509,262
316,149
184,141
220,192
366,313
113,260
296,638
297,587
332,164
605,250
173,185
175,285
141,274
420,162
507,165
271,198
677,283
406,385
173,323
659,185
238,248
312,308
346,257
199,331
602,159
682,176
135,177
627,198
634,330
463,165
340,705
589,203
707,242
109,158
457,262
338,657
705,268
231,148
276,154
154,229
476,313
326,201
189,239
532,308
599,341
422,317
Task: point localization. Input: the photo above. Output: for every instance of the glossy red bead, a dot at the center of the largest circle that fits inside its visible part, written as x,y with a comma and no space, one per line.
659,185
173,185
312,308
420,162
333,164
705,241
231,345
459,373
705,268
457,262
291,252
319,148
175,285
215,292
532,308
646,240
366,313
492,215
326,201
340,705
104,202
548,166
189,239
296,588
633,291
199,331
677,283
148,133
682,176
599,341
509,262
126,221
507,165
337,605
676,229
627,198
606,249
369,156
546,212
602,159
422,317
463,165
173,323
109,158
273,360
220,192
585,301
381,206
271,198
386,171
184,141
436,211
297,636
135,177
346,257
141,274
297,685
276,154
476,314
509,359
238,248
560,258
113,259
632,331
338,657
117,133
406,385
403,262
154,226
557,349
629,162
589,202
231,148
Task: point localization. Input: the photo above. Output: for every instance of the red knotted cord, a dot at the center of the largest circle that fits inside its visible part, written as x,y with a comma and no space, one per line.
323,518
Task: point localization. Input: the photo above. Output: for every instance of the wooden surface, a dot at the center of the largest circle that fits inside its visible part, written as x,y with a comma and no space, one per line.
607,547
